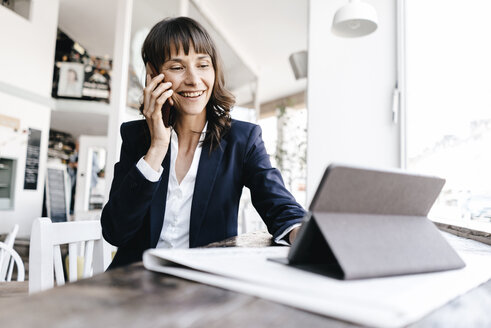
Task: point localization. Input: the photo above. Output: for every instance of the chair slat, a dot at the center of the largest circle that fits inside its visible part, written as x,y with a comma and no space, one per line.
12,257
3,257
72,262
81,248
59,276
89,252
6,265
11,269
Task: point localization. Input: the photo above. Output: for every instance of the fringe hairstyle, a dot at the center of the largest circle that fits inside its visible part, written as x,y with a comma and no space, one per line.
183,32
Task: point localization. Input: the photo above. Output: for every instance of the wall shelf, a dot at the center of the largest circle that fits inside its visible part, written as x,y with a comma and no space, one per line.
84,117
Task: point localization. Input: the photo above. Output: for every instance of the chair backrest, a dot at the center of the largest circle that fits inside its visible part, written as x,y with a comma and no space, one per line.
6,261
84,238
11,258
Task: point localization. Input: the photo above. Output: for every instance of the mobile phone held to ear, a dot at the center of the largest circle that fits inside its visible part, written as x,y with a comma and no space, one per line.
166,108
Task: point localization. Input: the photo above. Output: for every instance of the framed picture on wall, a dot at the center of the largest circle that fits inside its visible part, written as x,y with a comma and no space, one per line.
97,79
71,80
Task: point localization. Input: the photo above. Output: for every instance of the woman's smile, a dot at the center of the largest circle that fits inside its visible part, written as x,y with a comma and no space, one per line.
191,94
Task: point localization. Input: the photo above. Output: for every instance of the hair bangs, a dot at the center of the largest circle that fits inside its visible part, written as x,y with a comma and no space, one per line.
181,35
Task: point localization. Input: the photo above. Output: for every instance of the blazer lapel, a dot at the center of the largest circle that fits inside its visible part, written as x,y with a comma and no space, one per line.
209,165
157,209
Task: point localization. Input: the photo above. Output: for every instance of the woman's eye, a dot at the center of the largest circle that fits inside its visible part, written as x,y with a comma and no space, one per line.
204,65
176,68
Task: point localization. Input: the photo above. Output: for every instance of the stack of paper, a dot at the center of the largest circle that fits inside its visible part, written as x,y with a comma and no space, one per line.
382,302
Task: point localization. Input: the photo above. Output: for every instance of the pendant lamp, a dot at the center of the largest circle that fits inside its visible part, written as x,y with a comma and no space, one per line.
354,20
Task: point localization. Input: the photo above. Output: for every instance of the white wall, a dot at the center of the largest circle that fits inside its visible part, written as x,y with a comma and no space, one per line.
28,47
349,94
26,57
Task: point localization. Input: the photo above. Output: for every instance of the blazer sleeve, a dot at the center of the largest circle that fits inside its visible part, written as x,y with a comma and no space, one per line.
274,203
129,199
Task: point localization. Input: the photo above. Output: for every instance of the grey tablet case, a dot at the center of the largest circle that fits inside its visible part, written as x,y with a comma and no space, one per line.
366,223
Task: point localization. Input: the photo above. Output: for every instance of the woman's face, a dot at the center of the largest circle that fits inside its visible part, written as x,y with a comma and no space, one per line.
192,77
72,76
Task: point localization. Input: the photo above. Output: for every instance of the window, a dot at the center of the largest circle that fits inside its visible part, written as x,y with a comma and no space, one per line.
448,104
285,138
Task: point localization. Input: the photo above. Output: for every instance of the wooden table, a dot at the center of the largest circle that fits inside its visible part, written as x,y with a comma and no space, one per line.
134,297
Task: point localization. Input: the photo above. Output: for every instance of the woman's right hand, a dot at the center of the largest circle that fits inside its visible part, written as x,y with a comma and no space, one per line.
155,94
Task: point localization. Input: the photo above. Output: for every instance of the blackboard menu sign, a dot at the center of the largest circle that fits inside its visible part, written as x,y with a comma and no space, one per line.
56,195
32,159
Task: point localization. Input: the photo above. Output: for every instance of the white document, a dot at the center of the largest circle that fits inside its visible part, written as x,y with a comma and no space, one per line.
381,302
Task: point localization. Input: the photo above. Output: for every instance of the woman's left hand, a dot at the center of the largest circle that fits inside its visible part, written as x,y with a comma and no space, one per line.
293,235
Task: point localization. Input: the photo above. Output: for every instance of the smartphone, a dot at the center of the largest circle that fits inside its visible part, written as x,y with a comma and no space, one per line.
166,108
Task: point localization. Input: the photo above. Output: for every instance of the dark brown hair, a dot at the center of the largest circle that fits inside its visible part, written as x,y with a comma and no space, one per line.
182,32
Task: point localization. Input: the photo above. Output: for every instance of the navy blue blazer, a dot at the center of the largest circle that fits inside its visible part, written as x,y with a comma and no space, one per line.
133,217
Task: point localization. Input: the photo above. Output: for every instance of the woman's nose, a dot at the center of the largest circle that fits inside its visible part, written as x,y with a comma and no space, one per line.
192,77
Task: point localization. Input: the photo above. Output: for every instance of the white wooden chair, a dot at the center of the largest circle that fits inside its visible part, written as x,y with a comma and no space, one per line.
45,254
11,258
7,260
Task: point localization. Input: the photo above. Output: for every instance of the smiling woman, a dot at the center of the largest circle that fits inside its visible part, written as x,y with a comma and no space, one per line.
182,170
168,46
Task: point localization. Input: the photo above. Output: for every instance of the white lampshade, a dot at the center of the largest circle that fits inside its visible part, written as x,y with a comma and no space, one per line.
355,19
298,61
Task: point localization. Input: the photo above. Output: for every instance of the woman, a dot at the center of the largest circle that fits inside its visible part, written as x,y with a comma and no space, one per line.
180,186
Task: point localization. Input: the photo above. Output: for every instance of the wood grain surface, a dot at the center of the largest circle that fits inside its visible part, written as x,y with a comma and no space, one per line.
134,297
